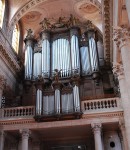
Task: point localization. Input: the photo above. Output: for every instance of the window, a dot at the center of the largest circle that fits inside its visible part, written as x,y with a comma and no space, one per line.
15,38
2,7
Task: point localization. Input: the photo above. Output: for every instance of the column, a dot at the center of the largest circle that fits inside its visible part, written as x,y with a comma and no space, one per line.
122,39
2,85
96,127
119,71
2,138
123,135
25,136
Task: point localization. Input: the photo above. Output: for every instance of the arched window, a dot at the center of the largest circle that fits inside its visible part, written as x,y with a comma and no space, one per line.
15,38
2,8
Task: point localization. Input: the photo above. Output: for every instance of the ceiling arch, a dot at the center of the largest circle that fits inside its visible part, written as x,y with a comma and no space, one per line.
33,3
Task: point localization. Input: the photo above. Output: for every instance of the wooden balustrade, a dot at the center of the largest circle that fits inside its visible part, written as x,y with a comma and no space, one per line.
109,104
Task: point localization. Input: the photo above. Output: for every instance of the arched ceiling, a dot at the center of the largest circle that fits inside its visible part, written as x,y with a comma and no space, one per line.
32,12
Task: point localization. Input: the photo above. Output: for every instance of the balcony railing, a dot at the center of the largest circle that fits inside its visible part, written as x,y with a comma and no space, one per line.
17,112
87,107
101,105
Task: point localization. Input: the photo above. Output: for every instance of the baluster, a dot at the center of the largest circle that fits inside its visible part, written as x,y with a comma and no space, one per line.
101,104
110,103
98,104
106,104
88,106
91,105
84,106
115,103
95,107
8,113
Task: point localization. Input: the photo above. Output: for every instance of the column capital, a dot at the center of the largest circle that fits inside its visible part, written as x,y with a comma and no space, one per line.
96,127
121,36
2,82
25,133
118,70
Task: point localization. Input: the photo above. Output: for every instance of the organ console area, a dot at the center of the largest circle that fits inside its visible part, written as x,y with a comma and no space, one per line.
63,64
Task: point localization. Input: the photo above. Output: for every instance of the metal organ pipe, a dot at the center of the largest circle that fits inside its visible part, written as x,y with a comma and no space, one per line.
85,60
39,102
28,60
75,49
93,55
57,101
61,56
37,68
48,105
76,98
45,54
67,103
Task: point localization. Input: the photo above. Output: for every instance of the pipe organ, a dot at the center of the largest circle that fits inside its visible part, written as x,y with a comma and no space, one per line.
61,58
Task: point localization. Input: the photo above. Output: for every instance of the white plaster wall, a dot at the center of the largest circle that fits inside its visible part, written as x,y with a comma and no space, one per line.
112,137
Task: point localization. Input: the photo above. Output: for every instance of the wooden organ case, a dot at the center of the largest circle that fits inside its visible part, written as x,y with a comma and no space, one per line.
66,68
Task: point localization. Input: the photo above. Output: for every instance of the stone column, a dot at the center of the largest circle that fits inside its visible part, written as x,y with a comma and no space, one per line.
2,138
2,85
123,135
96,127
119,71
25,136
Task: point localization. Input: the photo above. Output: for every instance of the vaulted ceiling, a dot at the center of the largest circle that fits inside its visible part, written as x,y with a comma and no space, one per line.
32,12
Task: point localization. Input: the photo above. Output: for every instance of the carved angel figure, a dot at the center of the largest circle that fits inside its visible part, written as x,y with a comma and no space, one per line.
45,24
57,75
29,33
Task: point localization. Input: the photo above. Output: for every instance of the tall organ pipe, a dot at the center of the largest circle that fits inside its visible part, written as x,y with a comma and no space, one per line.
48,105
93,51
75,49
37,64
45,59
57,101
28,58
38,102
76,98
61,56
85,60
